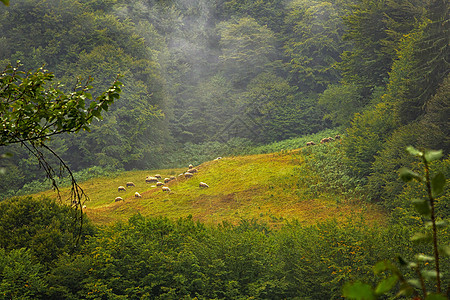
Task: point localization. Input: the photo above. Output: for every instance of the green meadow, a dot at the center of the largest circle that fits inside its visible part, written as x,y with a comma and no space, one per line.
274,187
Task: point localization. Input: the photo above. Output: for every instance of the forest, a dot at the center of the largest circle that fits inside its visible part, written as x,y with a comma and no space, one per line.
98,87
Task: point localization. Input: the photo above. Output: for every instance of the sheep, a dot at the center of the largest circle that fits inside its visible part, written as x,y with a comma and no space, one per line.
159,183
193,171
84,207
137,195
158,176
118,199
121,188
188,175
151,179
130,184
203,185
191,166
166,180
165,189
337,137
172,177
218,158
324,140
311,143
330,139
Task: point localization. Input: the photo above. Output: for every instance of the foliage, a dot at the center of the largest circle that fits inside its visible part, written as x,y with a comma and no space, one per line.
366,137
437,108
375,28
341,102
43,226
247,49
20,276
427,267
32,110
313,43
269,110
327,172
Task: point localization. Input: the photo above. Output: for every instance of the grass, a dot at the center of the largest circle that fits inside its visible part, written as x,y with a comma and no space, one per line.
267,187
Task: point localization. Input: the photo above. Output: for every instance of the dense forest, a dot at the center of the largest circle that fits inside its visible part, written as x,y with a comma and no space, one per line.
202,79
216,73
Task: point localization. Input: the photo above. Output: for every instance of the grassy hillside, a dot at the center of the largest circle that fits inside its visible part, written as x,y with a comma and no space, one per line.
269,187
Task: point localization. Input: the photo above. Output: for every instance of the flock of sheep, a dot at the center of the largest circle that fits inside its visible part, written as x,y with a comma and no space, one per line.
190,173
324,140
156,180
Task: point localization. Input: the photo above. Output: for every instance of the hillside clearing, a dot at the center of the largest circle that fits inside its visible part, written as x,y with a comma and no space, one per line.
266,187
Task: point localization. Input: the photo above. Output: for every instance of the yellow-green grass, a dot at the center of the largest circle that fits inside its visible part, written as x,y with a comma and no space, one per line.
263,187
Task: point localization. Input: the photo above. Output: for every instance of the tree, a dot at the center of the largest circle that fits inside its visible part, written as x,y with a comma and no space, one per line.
341,102
269,109
40,225
375,27
314,43
431,61
247,49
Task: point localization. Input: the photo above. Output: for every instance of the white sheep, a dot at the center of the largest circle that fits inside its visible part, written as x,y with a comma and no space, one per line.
159,183
130,184
166,189
166,180
121,188
158,176
188,175
137,195
191,166
118,199
203,185
151,179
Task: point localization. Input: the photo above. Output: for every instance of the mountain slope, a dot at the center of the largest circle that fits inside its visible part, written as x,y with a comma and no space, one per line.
268,187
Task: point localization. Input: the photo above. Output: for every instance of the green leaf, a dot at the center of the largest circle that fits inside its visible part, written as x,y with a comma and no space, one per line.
437,184
408,175
435,297
422,206
386,284
358,291
445,250
431,155
421,237
413,151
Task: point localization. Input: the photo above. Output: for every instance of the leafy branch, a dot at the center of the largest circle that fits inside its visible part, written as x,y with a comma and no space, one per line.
33,110
426,207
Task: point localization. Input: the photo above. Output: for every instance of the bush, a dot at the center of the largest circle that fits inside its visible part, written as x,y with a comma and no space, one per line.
44,227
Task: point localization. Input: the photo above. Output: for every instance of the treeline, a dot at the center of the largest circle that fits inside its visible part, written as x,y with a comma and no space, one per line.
241,72
157,258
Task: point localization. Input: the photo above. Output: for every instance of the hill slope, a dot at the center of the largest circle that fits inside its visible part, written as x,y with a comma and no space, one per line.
268,187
